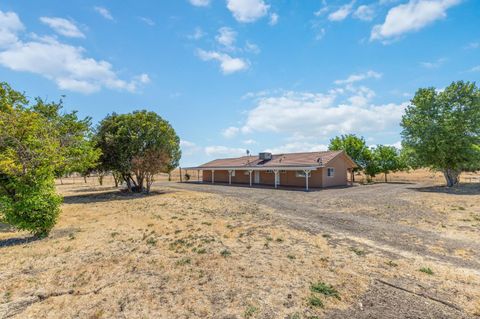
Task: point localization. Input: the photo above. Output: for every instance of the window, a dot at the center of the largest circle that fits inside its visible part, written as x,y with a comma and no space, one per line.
301,174
269,171
330,172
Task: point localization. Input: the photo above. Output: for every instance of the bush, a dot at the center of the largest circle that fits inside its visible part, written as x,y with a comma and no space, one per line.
35,206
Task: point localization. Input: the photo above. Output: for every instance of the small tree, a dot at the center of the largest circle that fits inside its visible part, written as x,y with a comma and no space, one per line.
442,129
355,147
386,160
137,146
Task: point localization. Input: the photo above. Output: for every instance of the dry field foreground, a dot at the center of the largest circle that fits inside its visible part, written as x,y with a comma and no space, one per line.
185,253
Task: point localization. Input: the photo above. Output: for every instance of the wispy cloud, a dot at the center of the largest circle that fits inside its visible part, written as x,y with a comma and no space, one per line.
147,21
63,27
342,12
433,64
104,12
200,3
359,77
228,64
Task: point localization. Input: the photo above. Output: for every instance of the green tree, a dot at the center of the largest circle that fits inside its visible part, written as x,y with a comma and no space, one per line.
77,151
137,146
441,130
355,147
386,159
28,157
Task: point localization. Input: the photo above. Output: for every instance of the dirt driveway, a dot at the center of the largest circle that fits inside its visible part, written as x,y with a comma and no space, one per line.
401,221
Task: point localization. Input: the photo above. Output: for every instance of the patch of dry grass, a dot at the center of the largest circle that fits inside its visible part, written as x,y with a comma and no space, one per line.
182,254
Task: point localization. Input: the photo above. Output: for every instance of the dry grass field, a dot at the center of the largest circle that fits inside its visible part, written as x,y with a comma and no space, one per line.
182,253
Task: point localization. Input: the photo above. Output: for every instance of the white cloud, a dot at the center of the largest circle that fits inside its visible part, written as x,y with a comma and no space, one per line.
473,45
252,47
247,10
316,115
230,132
189,148
228,64
10,26
200,3
104,12
224,151
197,34
63,26
411,16
433,64
66,65
342,12
226,37
249,142
147,21
300,146
273,19
475,69
364,13
359,77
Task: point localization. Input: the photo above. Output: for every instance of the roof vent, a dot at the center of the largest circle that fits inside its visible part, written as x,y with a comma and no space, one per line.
265,156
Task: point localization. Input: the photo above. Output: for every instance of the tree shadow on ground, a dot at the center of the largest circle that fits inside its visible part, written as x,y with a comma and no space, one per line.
462,189
16,241
114,195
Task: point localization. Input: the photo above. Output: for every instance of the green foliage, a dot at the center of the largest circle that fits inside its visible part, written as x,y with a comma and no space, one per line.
441,130
137,146
386,159
325,289
28,158
355,147
426,270
314,301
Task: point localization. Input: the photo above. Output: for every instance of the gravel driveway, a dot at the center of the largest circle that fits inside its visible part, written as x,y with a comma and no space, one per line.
369,216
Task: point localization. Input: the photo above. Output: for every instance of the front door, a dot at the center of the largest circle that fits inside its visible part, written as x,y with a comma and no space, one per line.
257,177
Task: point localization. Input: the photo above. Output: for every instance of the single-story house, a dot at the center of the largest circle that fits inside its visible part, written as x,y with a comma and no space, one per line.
312,169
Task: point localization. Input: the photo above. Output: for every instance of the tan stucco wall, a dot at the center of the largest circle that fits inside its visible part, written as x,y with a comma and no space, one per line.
341,166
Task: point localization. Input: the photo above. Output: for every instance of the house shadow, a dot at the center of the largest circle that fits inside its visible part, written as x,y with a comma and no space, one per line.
113,195
268,186
462,189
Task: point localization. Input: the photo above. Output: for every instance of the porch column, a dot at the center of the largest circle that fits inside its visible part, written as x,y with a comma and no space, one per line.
307,171
198,175
230,177
275,171
213,176
250,175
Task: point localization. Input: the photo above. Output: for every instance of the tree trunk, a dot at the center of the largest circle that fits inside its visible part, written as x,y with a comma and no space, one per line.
386,181
85,179
100,180
169,176
353,176
452,176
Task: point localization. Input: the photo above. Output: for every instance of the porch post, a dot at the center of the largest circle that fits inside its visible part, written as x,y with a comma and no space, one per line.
213,176
275,171
198,175
250,175
307,171
230,177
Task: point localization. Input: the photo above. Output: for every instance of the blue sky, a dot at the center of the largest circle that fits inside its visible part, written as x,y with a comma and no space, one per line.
232,75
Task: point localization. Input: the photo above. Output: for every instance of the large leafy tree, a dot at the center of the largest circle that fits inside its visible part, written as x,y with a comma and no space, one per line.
355,147
77,150
137,146
441,130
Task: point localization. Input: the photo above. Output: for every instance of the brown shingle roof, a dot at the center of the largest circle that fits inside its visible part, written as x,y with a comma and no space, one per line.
278,160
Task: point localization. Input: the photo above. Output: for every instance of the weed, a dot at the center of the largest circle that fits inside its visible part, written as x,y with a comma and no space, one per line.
201,251
150,225
114,234
249,312
178,231
230,226
225,253
426,270
314,301
461,208
269,238
391,263
71,236
207,223
296,315
67,249
151,241
279,240
7,296
325,289
358,251
291,257
184,261
327,236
